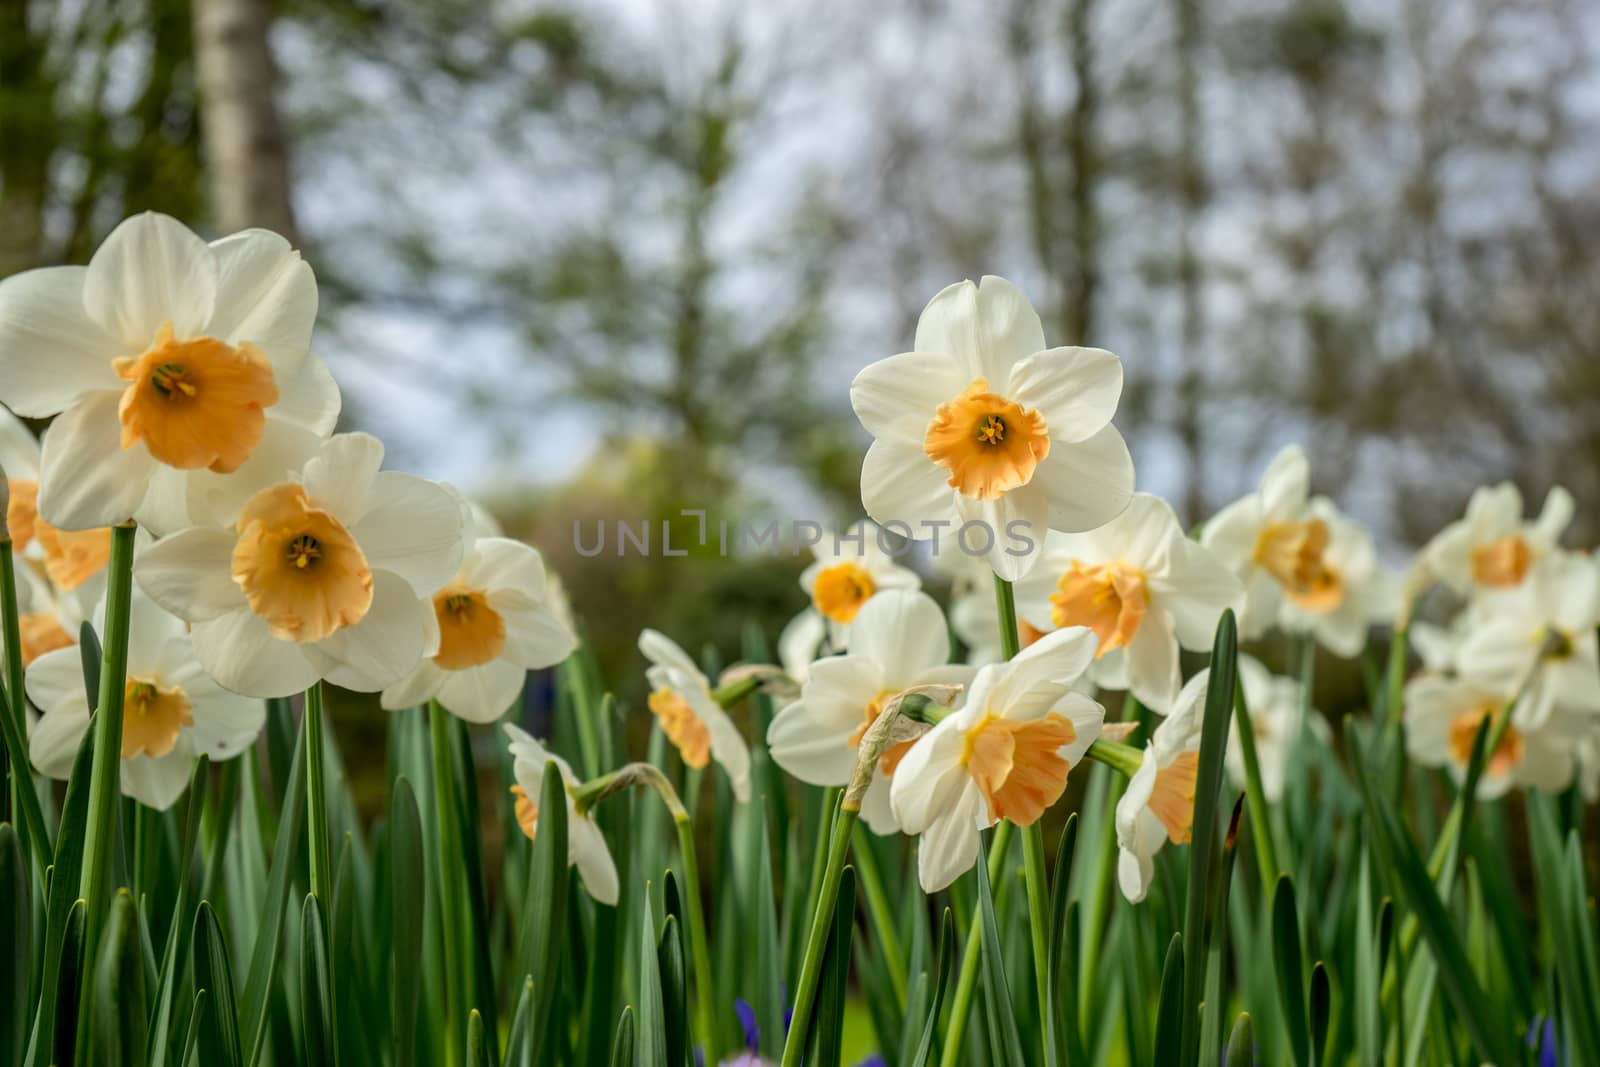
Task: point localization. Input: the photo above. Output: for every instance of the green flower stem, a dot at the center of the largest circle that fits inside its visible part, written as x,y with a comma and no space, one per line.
1116,755
452,904
1005,598
729,695
35,832
586,796
882,912
317,829
817,940
1255,796
105,776
967,980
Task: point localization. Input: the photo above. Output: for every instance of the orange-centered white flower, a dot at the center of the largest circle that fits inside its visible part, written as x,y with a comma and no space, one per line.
688,714
321,576
1142,588
172,364
899,640
1158,805
1004,754
172,710
982,423
1349,590
1537,749
586,845
1493,547
849,569
496,623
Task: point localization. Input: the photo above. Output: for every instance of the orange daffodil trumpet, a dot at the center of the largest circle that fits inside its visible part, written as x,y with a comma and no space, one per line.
1493,548
180,371
1158,804
172,710
495,624
899,641
586,845
1142,587
1004,754
689,715
324,575
981,423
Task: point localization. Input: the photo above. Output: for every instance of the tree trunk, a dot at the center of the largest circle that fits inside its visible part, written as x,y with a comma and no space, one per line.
247,156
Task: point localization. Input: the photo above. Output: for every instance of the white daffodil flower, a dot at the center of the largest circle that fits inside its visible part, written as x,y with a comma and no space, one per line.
1492,547
981,423
682,702
495,625
181,373
586,845
1442,719
1349,591
1542,632
848,570
172,710
322,576
1272,541
73,559
1277,719
1142,587
899,640
1004,754
1158,805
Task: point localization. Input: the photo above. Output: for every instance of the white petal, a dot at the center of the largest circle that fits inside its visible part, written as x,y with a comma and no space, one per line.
308,397
87,479
151,270
663,651
503,563
19,448
266,295
930,778
225,724
418,687
484,693
1075,389
896,398
216,499
412,528
386,644
810,740
899,483
903,632
1197,589
165,507
158,782
340,476
876,811
1555,516
986,328
54,682
51,352
1231,534
727,745
799,642
1038,677
948,848
1089,482
1152,664
1011,527
150,628
588,850
190,574
242,655
1286,485
536,637
54,741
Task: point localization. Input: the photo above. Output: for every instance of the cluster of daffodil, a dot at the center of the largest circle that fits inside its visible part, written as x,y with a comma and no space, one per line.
191,509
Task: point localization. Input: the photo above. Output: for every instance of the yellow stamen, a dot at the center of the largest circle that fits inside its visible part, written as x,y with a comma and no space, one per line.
527,812
72,557
471,633
1464,731
197,402
1503,563
841,589
1018,765
22,512
1172,797
1292,552
152,718
682,726
1111,599
987,443
299,567
41,632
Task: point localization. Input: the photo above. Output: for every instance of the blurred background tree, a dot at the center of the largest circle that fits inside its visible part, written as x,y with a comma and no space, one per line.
615,259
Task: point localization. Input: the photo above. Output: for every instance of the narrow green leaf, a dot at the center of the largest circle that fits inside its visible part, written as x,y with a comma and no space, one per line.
1061,1027
89,656
219,1034
996,990
944,966
1321,1011
519,1042
477,1047
180,926
546,925
760,912
1198,906
825,1033
408,892
652,1022
1169,1011
674,991
1290,970
16,941
61,898
253,1005
622,1045
315,997
118,1034
191,1039
1241,1044
70,964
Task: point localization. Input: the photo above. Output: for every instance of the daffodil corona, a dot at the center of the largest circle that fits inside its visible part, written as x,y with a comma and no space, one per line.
689,715
324,576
